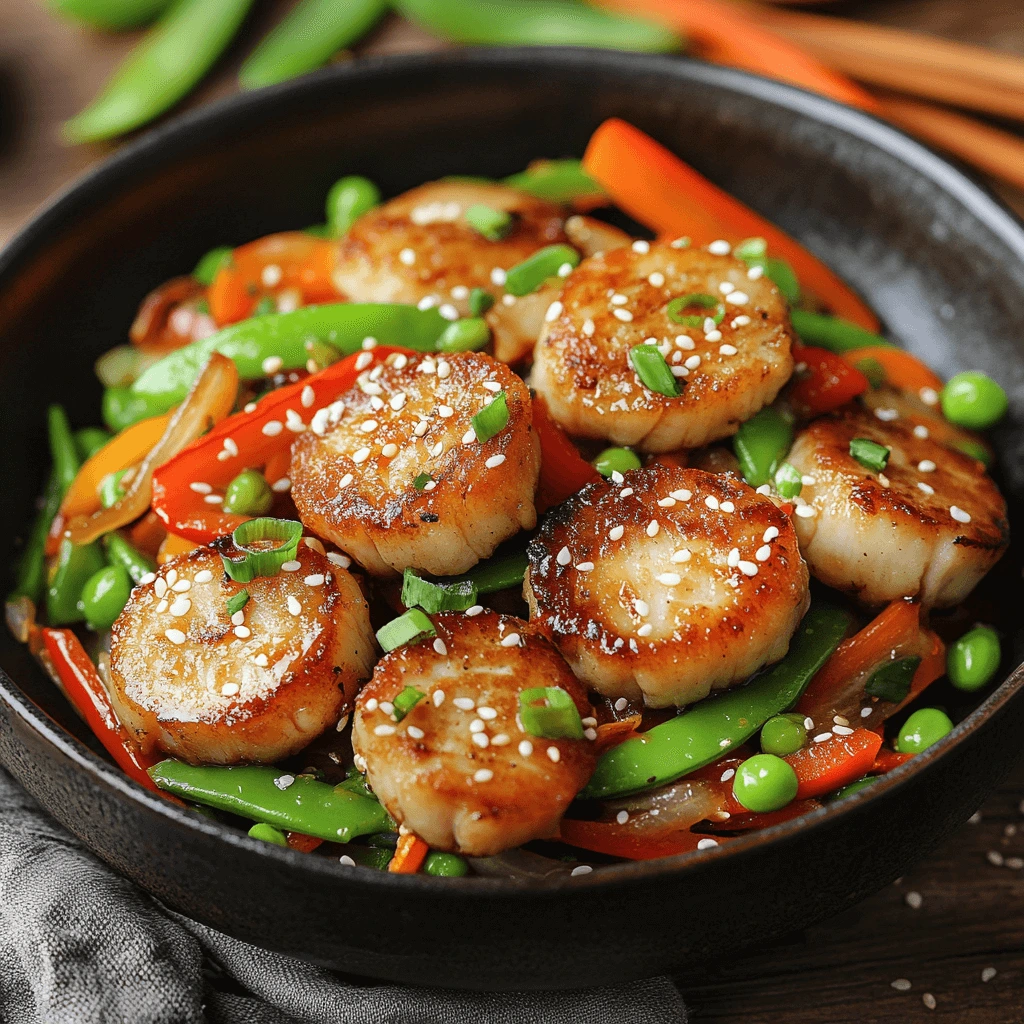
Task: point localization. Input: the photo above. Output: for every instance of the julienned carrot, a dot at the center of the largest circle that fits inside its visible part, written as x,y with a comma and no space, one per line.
726,36
902,370
827,766
667,195
129,447
409,855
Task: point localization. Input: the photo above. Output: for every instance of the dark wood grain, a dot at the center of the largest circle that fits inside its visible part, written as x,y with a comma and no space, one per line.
970,916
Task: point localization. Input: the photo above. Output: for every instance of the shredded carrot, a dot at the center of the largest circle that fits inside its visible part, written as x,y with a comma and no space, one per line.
658,189
902,370
409,855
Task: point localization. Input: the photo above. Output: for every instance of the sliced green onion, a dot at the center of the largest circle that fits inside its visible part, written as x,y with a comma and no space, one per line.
616,460
110,489
238,601
468,335
406,701
491,419
262,561
421,481
497,573
750,249
788,481
412,625
869,454
437,597
675,310
832,333
557,181
480,300
549,712
653,371
892,681
493,224
528,276
209,265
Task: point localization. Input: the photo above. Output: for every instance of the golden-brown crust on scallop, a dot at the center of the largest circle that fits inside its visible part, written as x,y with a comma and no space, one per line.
258,690
424,768
882,536
581,361
372,509
638,586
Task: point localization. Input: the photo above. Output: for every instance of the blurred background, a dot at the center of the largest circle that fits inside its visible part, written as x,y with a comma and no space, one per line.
79,77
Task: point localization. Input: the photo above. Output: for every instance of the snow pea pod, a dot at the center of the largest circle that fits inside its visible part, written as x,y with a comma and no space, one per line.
284,336
538,23
715,726
165,67
294,803
761,443
110,14
832,333
311,33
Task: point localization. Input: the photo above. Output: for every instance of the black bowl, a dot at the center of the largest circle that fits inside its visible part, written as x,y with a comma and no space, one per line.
941,261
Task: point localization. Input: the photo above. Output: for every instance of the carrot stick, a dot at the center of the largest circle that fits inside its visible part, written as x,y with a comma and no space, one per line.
661,191
409,855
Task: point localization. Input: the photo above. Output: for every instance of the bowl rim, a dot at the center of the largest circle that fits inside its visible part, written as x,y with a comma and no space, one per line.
81,195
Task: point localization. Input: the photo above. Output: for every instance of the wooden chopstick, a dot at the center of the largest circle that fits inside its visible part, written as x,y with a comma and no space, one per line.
909,62
996,152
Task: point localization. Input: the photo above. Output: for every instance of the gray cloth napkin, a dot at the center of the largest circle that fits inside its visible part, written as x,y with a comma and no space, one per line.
81,945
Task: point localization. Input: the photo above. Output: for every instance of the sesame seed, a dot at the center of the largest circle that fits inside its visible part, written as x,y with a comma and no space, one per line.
272,428
481,740
706,844
926,466
622,314
727,506
346,861
474,610
738,298
511,640
692,362
929,1000
720,247
483,775
427,302
733,559
755,273
657,279
272,364
865,712
282,782
315,580
200,488
645,630
436,449
642,607
497,276
494,461
625,492
407,256
725,287
361,456
336,558
292,566
213,499
464,703
151,576
477,725
641,246
444,369
525,748
740,321
764,489
822,736
448,311
682,494
666,502
384,730
929,396
806,511
682,555
747,568
554,312
554,754
728,350
670,579
995,858
580,869
988,973
438,698
653,527
901,985
959,514
262,661
887,415
293,605
175,636
615,533
440,646
921,431
711,501
588,327
238,619
914,900
242,632
563,557
715,335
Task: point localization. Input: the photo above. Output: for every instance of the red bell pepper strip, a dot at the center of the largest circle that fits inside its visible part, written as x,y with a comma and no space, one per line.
301,842
747,821
290,260
671,198
825,382
620,841
563,471
208,461
887,760
827,766
85,690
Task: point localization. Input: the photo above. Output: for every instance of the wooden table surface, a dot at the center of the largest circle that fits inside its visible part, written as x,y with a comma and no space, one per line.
950,933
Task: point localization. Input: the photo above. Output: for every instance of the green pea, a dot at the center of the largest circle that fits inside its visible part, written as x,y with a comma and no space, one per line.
445,865
104,596
853,787
973,400
616,460
248,494
348,199
468,335
110,489
268,834
973,660
765,782
783,734
922,729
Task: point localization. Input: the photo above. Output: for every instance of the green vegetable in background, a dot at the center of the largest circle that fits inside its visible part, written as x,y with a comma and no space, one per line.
974,400
110,14
832,333
922,729
308,36
348,199
104,596
76,564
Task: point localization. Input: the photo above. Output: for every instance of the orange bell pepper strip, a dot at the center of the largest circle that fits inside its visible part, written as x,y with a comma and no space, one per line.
827,766
563,471
288,261
209,462
127,449
902,370
723,34
826,382
85,690
409,856
667,195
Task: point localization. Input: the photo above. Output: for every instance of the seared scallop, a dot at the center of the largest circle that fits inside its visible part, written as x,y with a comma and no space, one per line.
419,248
726,371
259,685
394,473
458,769
667,586
930,525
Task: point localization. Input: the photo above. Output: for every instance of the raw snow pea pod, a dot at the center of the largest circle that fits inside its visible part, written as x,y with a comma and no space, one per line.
761,444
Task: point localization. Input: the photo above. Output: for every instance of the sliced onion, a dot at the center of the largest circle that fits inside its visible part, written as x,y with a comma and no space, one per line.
671,808
212,397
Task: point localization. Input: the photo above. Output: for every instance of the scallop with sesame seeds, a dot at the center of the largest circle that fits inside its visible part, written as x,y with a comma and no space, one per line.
883,540
628,632
432,782
590,385
482,493
227,692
